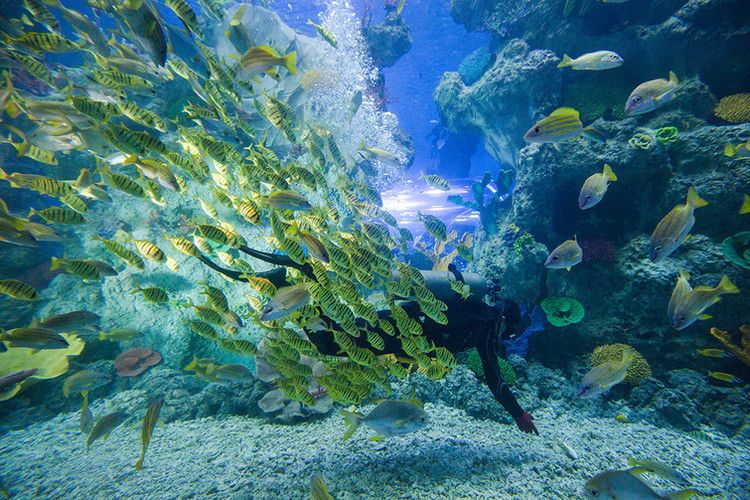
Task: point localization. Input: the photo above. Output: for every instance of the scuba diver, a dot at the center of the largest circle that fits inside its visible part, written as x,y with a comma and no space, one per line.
473,324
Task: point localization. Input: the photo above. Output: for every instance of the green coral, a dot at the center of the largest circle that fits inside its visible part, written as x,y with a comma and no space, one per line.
473,361
666,134
641,141
562,311
595,96
638,370
522,242
736,249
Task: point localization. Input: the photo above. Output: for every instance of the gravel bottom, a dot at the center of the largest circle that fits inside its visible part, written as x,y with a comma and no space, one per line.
455,457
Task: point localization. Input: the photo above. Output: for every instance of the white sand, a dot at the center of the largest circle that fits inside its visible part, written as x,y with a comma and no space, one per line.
457,457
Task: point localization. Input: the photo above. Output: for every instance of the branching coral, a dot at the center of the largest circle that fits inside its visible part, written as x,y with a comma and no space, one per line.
742,351
638,370
734,108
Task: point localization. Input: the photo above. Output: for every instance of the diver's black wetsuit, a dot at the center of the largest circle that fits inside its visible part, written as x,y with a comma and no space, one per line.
470,325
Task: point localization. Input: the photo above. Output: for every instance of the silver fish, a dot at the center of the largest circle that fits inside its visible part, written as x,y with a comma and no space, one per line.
565,256
594,188
624,485
389,418
651,94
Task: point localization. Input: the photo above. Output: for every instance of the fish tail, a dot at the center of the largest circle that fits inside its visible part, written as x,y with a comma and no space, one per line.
730,150
139,463
290,62
673,78
609,173
694,200
54,263
4,175
352,419
726,286
566,61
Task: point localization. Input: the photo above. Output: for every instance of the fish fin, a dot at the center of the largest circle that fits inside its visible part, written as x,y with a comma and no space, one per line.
609,173
694,200
566,61
745,208
730,150
683,494
569,268
352,419
377,438
673,78
565,112
705,317
726,286
290,62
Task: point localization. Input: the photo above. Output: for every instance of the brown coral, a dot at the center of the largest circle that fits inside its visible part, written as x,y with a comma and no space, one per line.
742,351
734,108
639,368
133,362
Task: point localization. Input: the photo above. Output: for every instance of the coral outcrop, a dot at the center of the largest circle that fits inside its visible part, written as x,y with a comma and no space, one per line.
389,40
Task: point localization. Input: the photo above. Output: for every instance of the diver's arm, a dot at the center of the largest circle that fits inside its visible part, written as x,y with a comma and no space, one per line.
500,389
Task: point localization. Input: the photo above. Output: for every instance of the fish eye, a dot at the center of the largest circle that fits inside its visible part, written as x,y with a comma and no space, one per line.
536,129
593,492
555,257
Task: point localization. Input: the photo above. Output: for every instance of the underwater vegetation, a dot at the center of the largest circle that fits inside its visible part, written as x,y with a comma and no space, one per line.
562,311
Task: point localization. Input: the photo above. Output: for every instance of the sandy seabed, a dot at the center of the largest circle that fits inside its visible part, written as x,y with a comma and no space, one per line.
455,457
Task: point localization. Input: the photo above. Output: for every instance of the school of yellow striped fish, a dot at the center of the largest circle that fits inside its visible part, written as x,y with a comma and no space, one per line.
315,205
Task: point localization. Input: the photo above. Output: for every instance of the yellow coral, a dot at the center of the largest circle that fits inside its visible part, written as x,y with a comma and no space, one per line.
50,363
734,108
638,370
742,351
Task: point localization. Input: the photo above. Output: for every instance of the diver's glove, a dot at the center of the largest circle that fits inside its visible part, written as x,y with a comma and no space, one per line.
525,422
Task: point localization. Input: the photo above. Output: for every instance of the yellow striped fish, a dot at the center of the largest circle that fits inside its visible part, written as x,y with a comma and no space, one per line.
258,60
673,229
562,124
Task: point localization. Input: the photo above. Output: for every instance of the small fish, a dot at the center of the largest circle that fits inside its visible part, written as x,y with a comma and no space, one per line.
285,301
389,418
258,60
593,61
87,418
603,377
104,426
437,182
651,94
725,377
565,256
686,306
120,335
713,353
594,188
624,485
622,418
15,378
33,338
371,152
70,321
84,380
18,290
325,34
355,104
288,200
318,489
562,124
740,151
149,422
672,231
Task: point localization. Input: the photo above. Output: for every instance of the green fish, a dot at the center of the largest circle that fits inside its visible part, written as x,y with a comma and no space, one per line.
87,418
562,124
686,305
34,338
84,381
288,200
285,301
318,488
389,418
624,485
104,426
740,151
70,321
149,422
672,231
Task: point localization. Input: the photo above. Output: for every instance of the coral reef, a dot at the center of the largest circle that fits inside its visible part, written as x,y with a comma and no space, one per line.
742,351
638,371
562,311
135,361
734,108
736,249
598,96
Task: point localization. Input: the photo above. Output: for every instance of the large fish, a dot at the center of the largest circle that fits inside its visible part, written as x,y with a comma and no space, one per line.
593,61
34,338
566,255
562,124
651,94
673,229
389,418
625,485
603,377
146,27
259,60
285,301
686,306
70,321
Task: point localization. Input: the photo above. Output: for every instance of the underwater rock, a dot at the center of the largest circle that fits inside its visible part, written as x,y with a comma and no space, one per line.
475,64
389,40
501,104
736,249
